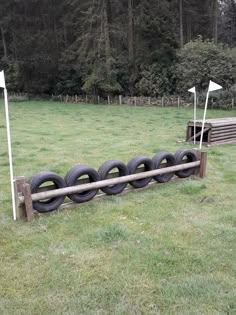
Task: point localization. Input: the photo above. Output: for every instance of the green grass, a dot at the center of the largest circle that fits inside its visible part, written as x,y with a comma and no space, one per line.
167,250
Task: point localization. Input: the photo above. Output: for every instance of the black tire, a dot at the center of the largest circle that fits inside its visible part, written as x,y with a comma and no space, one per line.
170,161
50,204
104,171
190,156
133,166
72,177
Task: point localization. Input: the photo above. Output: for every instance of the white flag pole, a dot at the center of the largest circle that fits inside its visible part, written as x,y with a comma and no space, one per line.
10,154
193,90
212,87
2,85
195,116
204,118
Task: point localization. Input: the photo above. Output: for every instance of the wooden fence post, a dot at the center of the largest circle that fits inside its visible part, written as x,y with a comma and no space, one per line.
19,181
24,211
162,101
98,99
178,101
76,99
149,101
203,163
135,101
120,99
108,99
232,103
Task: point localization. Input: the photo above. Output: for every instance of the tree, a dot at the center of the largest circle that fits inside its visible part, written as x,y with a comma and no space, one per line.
228,22
181,27
200,61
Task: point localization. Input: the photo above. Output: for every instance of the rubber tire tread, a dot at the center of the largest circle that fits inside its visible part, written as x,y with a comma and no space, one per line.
133,165
105,169
191,156
74,174
37,180
157,159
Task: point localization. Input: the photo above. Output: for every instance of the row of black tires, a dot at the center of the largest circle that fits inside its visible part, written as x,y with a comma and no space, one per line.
78,171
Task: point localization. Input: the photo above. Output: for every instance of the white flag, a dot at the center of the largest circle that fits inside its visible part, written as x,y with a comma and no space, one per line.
2,80
192,90
214,86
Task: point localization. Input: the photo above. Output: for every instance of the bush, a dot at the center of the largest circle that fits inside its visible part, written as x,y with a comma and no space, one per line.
200,61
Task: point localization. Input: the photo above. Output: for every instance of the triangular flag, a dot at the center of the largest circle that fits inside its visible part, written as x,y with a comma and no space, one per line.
192,90
214,86
2,80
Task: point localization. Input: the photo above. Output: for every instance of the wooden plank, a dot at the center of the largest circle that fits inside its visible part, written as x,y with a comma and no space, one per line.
221,137
108,182
199,124
222,124
218,120
223,130
225,127
215,122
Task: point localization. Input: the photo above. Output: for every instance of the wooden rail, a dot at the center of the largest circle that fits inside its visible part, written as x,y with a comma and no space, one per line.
108,182
24,198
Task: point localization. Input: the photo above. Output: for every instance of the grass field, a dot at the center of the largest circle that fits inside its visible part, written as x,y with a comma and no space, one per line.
167,250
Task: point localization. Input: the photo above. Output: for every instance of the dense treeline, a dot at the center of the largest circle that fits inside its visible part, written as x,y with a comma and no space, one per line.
115,46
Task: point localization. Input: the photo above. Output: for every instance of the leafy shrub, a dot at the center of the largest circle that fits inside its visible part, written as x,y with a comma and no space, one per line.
200,61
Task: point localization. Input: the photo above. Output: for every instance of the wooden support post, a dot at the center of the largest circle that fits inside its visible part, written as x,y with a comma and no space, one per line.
203,163
19,182
28,202
22,188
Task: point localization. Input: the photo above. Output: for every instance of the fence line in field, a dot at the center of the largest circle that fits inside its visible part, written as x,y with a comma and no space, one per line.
164,101
125,100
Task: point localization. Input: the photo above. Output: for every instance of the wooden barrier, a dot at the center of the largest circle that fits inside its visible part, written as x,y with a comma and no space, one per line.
216,131
24,199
